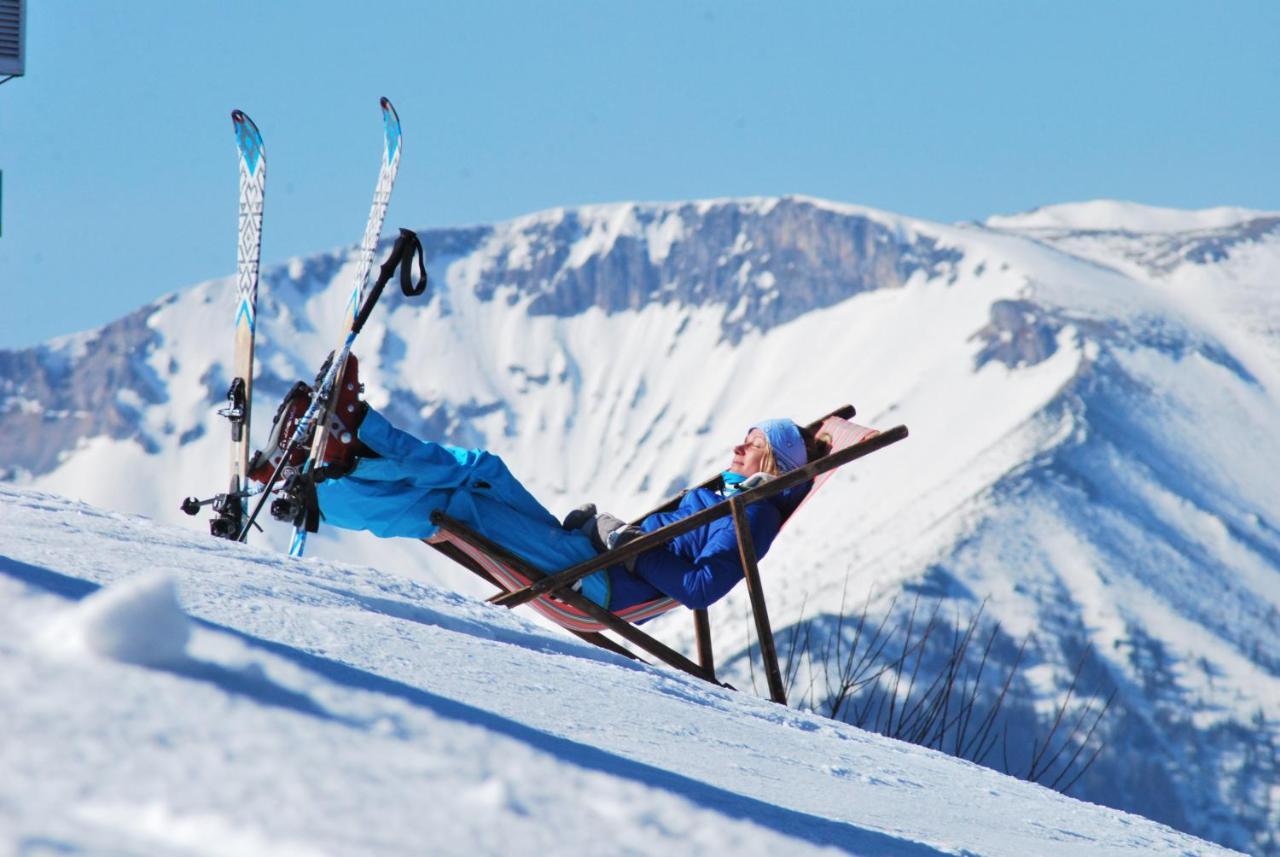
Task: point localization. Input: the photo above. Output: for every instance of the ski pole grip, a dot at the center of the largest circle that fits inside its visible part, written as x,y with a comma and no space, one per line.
406,242
384,274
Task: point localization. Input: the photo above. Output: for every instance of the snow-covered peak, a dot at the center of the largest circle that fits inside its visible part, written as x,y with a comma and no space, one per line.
661,222
759,205
1092,423
1108,215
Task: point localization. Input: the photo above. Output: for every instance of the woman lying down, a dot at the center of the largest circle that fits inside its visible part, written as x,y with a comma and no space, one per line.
389,482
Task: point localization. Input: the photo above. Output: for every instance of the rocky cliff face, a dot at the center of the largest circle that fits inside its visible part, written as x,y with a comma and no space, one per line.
766,263
758,264
90,385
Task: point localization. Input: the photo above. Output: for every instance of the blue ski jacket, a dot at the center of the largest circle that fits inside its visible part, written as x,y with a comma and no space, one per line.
701,566
394,495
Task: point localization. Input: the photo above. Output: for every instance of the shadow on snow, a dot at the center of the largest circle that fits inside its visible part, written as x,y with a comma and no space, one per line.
789,822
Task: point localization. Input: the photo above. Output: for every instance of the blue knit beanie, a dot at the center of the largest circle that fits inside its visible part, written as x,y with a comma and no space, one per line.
786,442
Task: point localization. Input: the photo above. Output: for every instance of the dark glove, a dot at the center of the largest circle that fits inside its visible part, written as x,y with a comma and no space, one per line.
579,517
609,533
618,538
601,529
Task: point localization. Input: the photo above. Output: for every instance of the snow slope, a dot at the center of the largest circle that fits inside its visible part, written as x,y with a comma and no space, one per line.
164,693
1092,392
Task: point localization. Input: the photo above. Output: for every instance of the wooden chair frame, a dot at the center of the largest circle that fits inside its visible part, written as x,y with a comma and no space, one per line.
558,585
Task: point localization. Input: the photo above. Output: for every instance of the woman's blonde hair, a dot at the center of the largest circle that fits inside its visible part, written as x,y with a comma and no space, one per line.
767,462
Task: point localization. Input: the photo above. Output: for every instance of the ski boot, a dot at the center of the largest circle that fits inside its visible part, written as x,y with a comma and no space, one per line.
292,407
342,445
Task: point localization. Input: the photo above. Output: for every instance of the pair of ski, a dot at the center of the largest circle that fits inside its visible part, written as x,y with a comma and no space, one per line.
232,519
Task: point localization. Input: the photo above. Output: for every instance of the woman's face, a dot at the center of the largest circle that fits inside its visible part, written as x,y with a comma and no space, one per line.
748,455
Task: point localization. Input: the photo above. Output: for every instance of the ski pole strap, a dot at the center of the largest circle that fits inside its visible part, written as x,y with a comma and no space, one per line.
413,247
407,246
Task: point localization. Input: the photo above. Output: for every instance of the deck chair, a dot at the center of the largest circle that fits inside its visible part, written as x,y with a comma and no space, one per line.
552,595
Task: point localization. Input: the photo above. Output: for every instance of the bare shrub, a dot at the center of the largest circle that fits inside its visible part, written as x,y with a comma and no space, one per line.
940,681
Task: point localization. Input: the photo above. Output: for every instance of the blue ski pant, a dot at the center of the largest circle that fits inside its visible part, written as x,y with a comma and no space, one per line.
394,495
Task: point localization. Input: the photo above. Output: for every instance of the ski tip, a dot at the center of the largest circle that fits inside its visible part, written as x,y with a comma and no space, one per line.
391,120
248,140
241,119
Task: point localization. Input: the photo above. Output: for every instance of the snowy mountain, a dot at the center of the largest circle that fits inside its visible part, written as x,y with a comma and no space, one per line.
227,700
1092,391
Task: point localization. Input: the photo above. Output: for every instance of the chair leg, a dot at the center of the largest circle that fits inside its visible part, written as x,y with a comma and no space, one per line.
702,626
621,627
768,651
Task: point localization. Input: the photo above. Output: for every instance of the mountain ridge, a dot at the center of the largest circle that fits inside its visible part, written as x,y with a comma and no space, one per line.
1089,413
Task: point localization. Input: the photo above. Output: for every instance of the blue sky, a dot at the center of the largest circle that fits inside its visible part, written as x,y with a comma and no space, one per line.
119,162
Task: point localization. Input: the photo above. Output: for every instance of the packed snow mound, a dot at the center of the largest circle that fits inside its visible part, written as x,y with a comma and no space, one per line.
136,621
317,708
1109,215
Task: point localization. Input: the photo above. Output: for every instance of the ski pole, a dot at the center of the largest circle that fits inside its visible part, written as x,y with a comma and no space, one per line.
266,491
407,242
